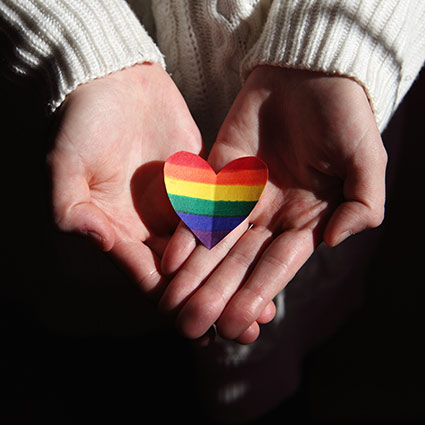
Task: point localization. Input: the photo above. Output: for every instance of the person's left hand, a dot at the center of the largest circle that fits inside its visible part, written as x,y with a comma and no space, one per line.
326,162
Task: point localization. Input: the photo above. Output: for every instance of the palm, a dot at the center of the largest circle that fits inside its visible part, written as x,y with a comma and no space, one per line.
114,135
313,133
319,138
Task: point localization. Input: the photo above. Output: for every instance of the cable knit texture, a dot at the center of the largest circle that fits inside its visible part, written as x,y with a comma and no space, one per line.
204,44
73,42
211,46
381,44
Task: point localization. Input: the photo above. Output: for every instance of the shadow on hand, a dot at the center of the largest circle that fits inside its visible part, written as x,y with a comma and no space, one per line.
151,200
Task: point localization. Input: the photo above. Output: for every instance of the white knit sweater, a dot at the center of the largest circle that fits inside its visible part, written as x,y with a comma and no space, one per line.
210,46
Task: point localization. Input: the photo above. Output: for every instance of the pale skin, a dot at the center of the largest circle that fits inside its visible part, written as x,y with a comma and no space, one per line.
326,161
106,166
327,164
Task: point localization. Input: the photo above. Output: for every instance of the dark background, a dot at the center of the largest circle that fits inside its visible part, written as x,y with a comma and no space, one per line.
78,343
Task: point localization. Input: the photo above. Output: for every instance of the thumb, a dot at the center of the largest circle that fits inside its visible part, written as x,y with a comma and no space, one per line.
73,209
364,193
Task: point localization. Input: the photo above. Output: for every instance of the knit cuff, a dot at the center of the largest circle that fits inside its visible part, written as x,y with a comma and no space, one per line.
380,44
73,42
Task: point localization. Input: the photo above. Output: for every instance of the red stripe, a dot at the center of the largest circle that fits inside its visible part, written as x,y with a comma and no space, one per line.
245,163
188,159
240,177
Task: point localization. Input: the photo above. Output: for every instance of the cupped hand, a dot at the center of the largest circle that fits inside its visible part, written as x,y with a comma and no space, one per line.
326,160
113,136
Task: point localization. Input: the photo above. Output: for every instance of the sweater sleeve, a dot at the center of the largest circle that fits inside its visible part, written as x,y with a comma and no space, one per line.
380,44
73,42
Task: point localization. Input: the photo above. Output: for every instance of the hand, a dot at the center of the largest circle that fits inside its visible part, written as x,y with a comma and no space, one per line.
326,162
106,164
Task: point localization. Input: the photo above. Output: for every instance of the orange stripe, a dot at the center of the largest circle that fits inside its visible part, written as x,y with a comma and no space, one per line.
240,177
243,177
182,172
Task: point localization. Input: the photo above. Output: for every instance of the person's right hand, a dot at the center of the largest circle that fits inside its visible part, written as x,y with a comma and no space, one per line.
106,164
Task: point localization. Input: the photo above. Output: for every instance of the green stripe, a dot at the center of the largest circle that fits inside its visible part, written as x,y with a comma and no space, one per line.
198,206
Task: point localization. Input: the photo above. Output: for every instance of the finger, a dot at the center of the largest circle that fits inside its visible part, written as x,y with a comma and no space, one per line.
87,220
364,193
141,264
73,211
253,332
250,335
267,314
205,306
276,267
195,270
157,244
180,246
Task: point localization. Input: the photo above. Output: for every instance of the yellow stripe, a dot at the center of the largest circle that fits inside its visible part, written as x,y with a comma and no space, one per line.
213,192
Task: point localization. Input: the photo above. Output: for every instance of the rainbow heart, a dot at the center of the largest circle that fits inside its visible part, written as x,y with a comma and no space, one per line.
211,204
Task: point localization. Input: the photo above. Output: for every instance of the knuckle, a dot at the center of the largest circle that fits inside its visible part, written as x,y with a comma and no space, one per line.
247,316
239,257
149,280
255,305
273,261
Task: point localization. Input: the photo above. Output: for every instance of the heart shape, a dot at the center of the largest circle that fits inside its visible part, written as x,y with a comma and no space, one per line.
211,204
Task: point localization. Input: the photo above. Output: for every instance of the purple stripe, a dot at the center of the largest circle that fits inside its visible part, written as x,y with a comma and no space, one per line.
210,239
208,223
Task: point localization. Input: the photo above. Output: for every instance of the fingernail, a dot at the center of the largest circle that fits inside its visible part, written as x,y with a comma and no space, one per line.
343,236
